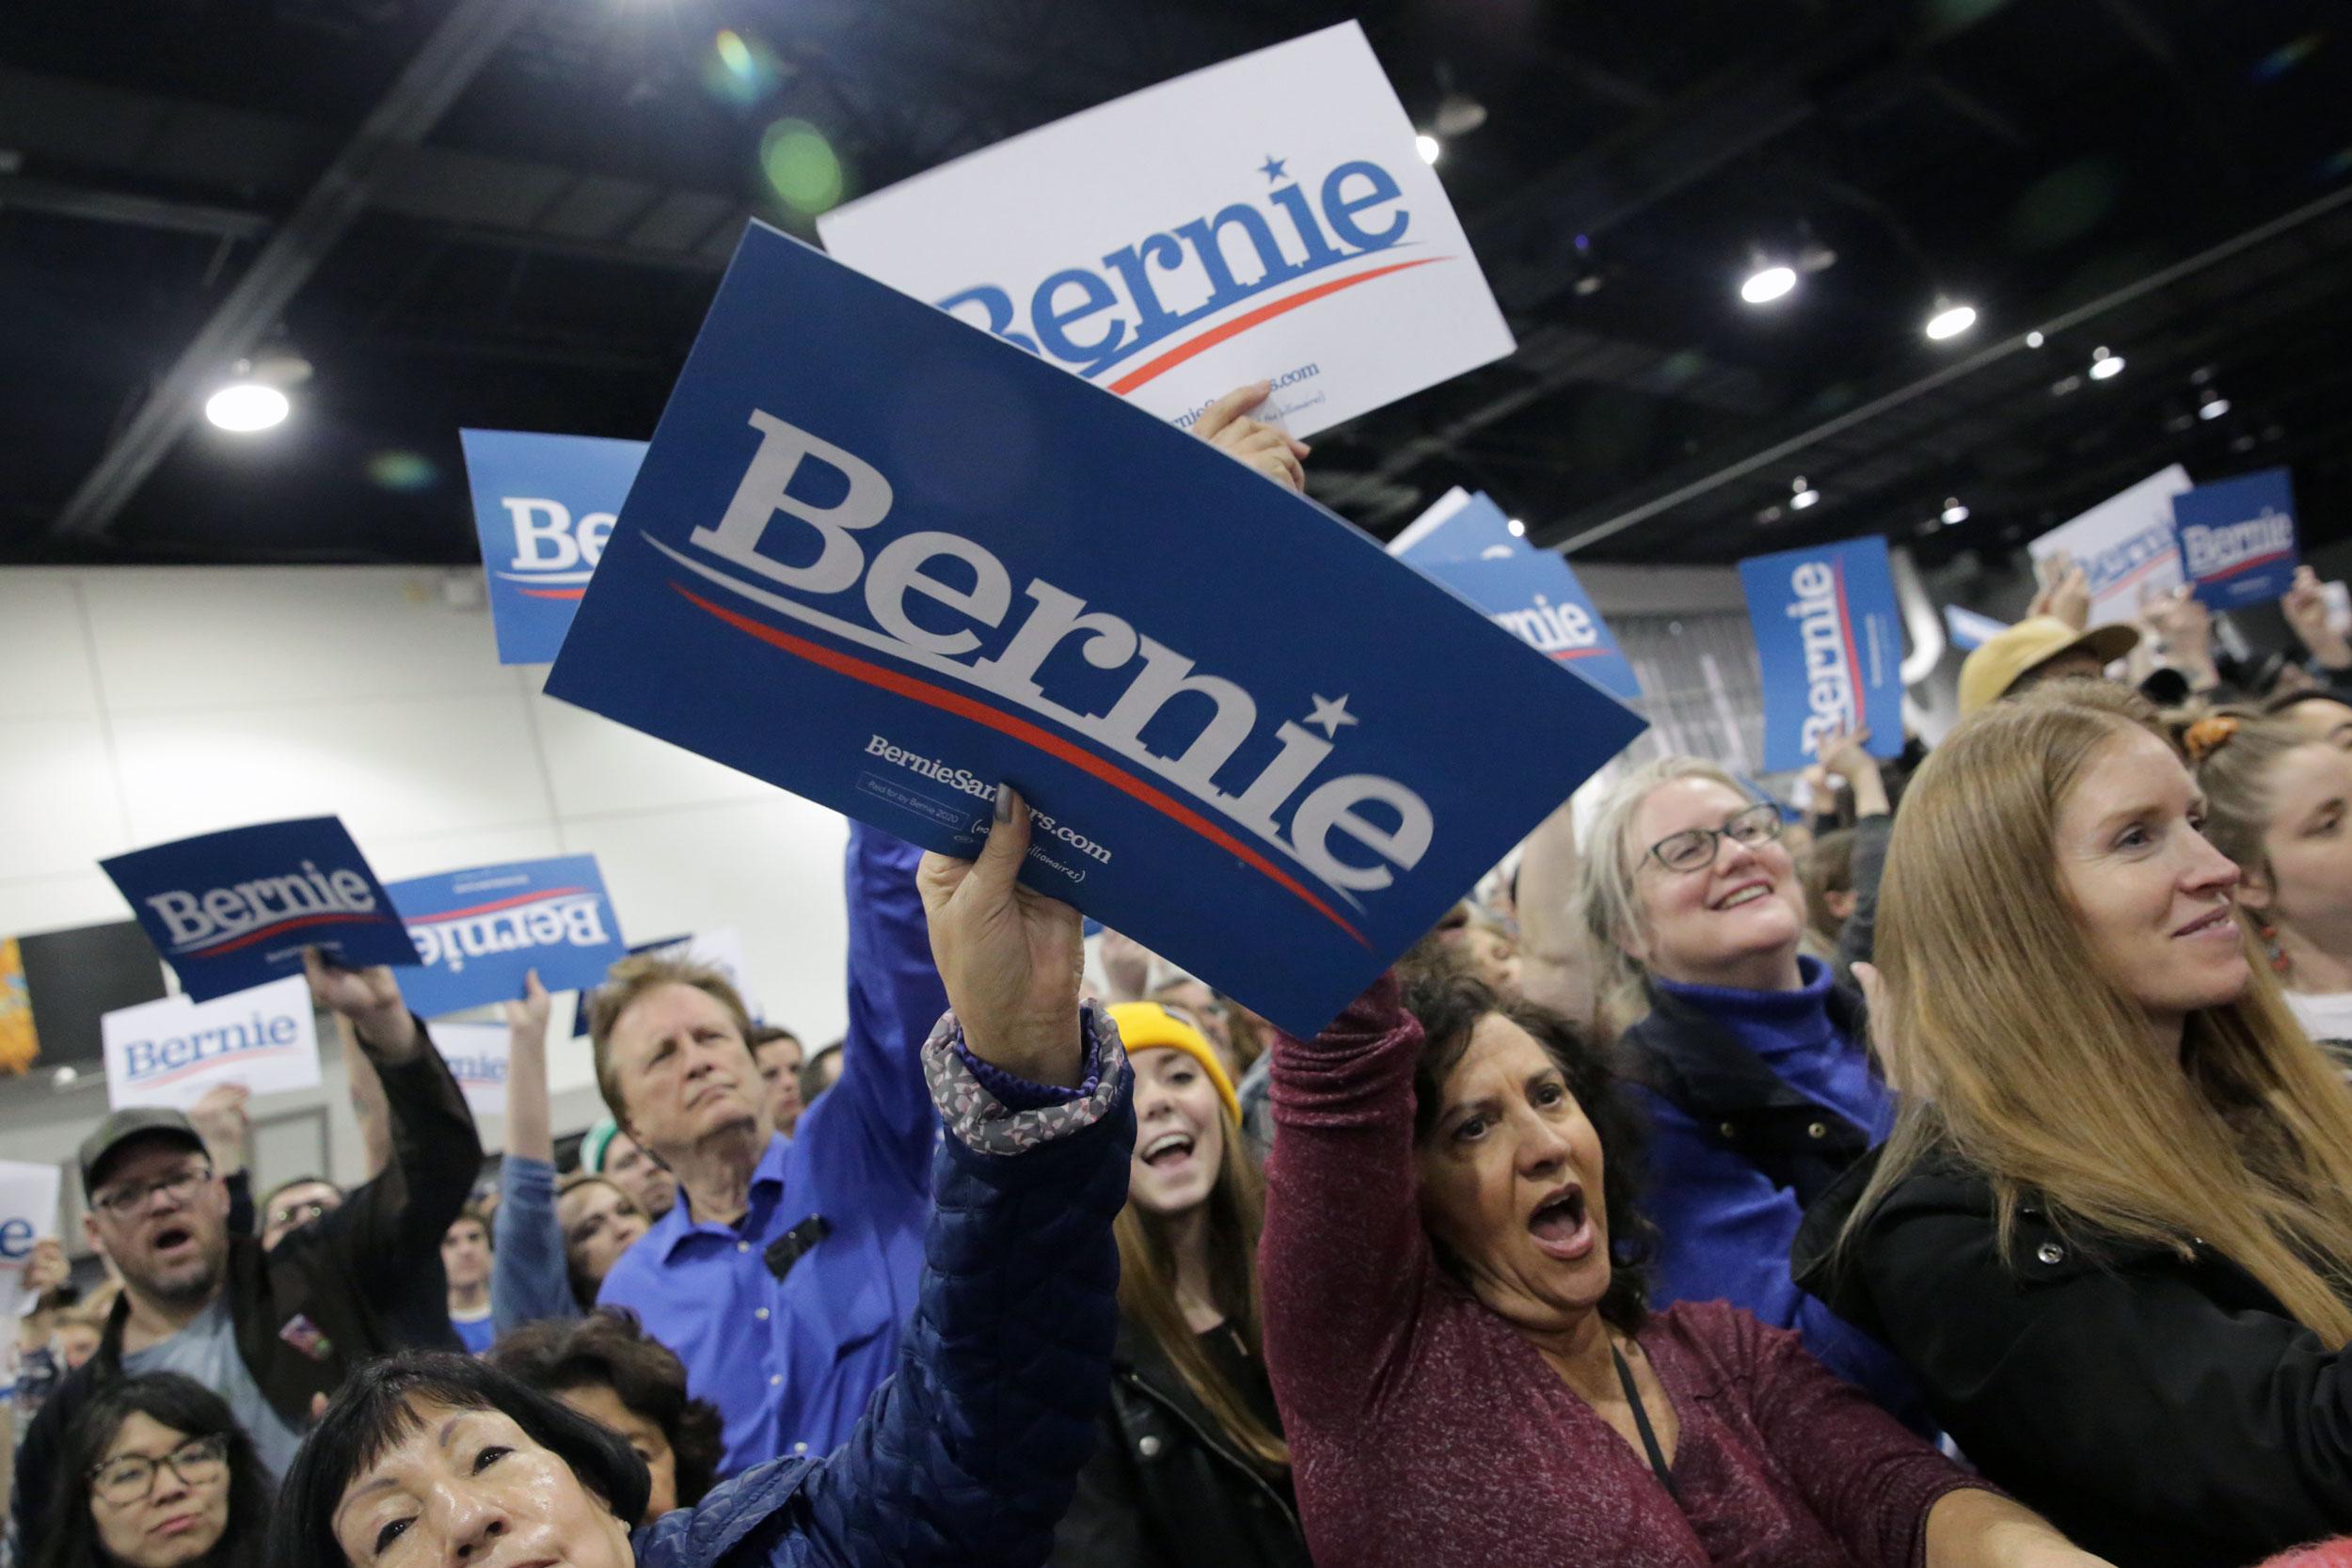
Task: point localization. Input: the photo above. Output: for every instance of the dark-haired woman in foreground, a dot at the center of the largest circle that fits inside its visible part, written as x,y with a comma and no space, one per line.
969,1453
156,1474
1468,1377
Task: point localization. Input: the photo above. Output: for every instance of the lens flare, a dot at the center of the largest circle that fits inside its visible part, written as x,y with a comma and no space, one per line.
801,166
398,469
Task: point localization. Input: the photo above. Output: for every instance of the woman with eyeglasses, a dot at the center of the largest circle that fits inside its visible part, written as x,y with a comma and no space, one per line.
1752,1062
156,1474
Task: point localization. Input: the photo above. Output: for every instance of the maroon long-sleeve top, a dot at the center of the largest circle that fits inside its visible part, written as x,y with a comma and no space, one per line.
1425,1432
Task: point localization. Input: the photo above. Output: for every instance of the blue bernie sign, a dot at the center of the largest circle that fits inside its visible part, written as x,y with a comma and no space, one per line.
233,909
1829,641
544,506
884,562
1536,597
2237,538
479,932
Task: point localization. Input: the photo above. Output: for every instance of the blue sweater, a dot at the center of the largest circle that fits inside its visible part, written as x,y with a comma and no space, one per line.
1724,1227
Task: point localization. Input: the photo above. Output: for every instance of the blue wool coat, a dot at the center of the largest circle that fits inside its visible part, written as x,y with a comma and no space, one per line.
969,1455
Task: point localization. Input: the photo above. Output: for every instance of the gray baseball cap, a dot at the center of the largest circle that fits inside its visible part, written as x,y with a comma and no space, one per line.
121,1127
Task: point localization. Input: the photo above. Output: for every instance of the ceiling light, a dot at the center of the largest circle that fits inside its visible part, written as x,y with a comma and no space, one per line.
2214,406
1518,529
1951,320
1805,494
2035,339
2104,364
1768,283
1954,512
246,407
1428,146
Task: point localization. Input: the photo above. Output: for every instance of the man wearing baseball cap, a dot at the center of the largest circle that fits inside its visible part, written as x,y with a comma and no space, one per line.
268,1330
2039,648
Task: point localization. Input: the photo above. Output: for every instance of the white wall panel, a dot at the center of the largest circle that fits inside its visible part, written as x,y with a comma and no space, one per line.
389,767
172,638
57,806
596,766
44,652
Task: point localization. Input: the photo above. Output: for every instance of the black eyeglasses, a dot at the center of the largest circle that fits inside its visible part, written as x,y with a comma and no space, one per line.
1694,849
132,1196
128,1479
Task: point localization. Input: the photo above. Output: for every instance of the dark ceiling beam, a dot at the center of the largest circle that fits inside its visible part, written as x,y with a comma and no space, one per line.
124,207
1595,524
460,45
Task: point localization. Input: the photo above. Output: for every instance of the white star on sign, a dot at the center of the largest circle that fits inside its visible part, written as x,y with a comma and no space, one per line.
1330,712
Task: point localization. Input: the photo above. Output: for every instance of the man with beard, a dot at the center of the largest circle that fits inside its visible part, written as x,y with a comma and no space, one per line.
269,1330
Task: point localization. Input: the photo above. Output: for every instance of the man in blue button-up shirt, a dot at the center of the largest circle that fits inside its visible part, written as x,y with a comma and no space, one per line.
787,1271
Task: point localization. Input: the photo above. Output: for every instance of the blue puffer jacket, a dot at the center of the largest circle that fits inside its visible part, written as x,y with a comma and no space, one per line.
970,1453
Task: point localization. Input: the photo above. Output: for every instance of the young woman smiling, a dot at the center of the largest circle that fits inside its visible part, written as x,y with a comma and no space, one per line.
1191,1470
2112,1232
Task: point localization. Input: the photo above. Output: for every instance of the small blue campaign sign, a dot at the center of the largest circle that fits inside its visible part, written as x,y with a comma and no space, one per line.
479,932
234,910
1460,526
1536,597
884,562
544,506
2237,538
1829,639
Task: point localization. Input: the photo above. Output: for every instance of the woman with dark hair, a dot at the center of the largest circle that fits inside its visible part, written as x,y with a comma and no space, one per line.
1190,1470
156,1474
605,1367
1466,1372
969,1452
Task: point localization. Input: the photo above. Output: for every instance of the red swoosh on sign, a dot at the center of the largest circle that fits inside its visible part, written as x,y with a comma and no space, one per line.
1020,730
1248,319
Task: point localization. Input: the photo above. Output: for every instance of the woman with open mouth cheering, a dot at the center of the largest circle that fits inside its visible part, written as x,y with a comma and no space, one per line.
1190,1470
1468,1377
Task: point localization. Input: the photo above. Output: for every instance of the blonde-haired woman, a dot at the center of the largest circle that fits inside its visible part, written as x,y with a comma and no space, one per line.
2111,1231
2279,802
1749,1060
1190,1470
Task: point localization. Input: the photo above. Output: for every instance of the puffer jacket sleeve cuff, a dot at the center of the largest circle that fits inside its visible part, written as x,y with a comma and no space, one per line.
991,1112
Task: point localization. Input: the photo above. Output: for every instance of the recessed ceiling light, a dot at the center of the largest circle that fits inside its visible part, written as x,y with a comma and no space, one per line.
1950,321
1953,511
1518,529
2103,365
246,407
2214,406
1805,494
1428,146
2035,339
1768,283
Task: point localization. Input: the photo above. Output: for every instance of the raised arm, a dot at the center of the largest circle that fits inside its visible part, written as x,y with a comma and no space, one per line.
895,997
1344,1262
971,1452
394,1222
1556,963
528,1280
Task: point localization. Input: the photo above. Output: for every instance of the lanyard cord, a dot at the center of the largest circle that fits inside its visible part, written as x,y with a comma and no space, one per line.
1641,1421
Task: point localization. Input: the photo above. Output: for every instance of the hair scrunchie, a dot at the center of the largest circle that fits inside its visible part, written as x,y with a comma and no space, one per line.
2208,736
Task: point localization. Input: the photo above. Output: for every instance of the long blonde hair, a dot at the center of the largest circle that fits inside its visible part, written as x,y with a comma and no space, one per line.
2018,1056
1146,1291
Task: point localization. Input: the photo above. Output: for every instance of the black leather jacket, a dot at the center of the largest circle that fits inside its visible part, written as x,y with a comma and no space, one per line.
1166,1487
